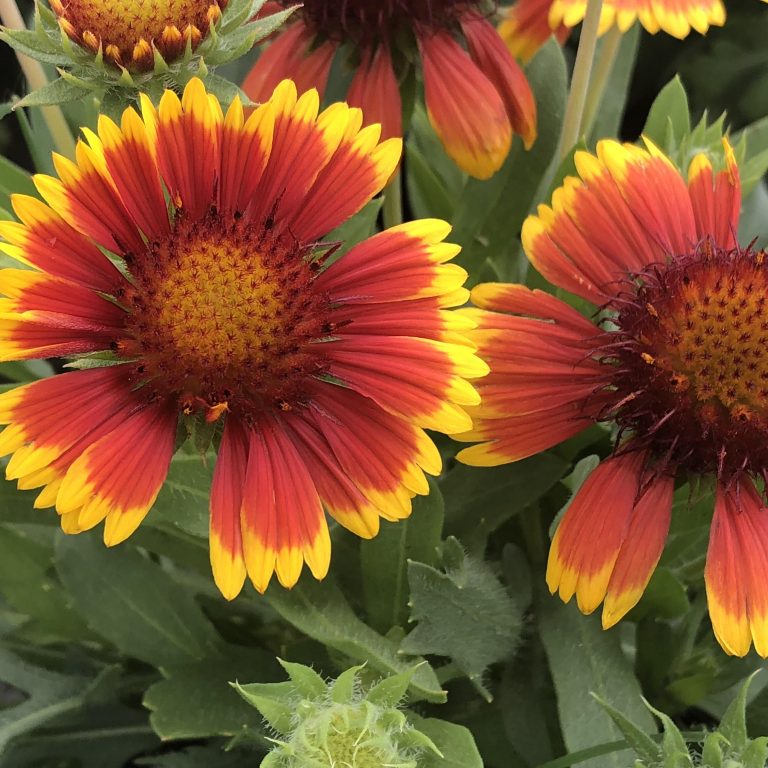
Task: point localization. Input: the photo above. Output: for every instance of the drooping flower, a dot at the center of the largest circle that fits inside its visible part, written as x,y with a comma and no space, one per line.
223,308
677,364
476,98
529,23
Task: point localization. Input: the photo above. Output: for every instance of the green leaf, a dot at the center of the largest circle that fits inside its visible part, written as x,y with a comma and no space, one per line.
197,700
455,742
669,117
583,658
384,559
36,46
13,179
479,500
427,193
733,724
50,695
27,584
353,231
465,614
209,756
491,213
664,597
183,501
60,91
133,602
320,611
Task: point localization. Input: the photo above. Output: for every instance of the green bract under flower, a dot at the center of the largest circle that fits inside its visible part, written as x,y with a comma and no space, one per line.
339,723
98,56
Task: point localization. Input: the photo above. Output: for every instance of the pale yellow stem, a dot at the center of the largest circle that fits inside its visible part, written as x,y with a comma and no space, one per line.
54,118
582,69
606,60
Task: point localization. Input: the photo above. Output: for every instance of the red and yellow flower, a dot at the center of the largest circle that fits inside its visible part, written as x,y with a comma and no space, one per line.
677,363
476,98
188,245
529,23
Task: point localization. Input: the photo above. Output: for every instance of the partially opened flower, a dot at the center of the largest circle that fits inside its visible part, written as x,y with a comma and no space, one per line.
677,363
529,23
128,30
476,94
214,300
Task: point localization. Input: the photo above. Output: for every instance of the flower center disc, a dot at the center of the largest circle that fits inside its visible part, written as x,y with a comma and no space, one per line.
226,316
694,368
120,24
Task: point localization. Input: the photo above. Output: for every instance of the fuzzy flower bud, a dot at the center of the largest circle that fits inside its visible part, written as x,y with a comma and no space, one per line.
339,723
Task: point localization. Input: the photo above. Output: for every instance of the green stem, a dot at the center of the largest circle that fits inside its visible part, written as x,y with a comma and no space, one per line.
574,109
604,64
54,118
392,211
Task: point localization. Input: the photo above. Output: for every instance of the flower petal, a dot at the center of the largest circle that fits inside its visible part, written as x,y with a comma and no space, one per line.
495,61
226,542
464,106
736,573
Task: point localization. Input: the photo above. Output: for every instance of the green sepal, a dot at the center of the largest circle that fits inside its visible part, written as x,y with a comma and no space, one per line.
273,700
309,683
733,725
645,747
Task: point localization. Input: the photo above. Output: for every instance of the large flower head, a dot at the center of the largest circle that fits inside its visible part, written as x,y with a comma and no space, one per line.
187,245
529,23
476,94
677,363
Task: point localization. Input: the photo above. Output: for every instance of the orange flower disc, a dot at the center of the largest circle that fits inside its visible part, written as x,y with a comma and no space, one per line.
225,314
126,30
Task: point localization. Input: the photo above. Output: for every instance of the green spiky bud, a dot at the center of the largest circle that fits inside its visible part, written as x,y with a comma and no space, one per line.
114,52
321,724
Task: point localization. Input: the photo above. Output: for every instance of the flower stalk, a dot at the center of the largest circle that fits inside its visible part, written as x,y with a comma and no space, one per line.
574,110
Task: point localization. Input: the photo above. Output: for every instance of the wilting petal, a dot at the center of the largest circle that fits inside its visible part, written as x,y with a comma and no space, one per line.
464,106
493,58
736,574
